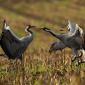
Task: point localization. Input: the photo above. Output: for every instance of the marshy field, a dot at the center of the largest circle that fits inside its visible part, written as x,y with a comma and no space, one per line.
39,66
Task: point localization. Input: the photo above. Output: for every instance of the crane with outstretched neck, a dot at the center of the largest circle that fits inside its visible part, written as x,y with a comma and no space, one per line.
71,39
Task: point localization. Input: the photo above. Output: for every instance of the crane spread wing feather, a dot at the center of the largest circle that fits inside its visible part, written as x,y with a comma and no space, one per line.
10,35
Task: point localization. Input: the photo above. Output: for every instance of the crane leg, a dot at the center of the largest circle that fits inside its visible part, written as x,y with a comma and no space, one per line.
15,70
64,56
23,71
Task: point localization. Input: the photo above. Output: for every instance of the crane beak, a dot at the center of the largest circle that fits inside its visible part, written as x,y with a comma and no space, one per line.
32,26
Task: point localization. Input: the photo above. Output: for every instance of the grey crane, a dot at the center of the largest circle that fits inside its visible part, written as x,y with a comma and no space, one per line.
58,45
71,39
13,46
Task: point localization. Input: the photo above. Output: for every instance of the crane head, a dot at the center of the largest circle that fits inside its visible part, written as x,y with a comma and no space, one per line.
5,26
46,29
28,27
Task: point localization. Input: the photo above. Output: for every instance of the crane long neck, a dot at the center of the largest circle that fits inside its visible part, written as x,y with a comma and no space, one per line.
30,36
30,33
59,36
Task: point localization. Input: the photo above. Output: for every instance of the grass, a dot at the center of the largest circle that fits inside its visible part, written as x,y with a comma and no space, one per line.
42,68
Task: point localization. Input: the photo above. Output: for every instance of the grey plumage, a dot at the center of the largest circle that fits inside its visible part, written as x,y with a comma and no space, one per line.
70,39
13,46
57,46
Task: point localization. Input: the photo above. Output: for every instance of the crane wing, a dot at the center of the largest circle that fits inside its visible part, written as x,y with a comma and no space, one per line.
7,32
57,46
74,30
71,27
11,48
10,35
